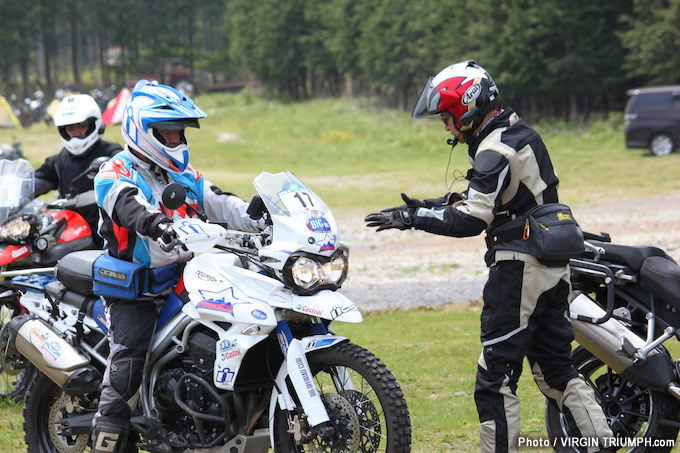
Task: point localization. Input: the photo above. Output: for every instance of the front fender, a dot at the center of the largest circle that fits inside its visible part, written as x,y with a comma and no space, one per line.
329,305
284,400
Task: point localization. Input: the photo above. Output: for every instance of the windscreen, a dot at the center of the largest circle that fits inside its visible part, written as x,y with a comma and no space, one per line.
16,186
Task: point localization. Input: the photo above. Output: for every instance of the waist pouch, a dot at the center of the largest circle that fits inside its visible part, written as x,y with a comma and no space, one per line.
122,279
547,232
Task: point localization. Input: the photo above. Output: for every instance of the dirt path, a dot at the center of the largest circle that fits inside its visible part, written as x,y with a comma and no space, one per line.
399,269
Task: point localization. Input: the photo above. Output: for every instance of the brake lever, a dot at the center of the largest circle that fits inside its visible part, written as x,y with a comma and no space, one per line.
170,245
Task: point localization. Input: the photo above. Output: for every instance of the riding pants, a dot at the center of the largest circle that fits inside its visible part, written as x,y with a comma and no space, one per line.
524,311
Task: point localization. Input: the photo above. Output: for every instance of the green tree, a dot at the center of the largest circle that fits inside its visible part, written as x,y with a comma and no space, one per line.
652,41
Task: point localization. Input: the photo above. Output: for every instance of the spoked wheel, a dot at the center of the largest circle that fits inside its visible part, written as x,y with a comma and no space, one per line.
45,406
364,402
15,371
642,419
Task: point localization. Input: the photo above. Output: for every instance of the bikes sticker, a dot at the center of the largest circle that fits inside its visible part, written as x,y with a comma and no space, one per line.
222,301
319,225
340,310
224,375
258,314
309,310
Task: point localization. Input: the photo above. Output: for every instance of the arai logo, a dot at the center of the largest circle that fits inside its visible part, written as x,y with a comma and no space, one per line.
319,225
472,93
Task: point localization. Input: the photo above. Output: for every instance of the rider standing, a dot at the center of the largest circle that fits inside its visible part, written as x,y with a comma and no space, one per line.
79,122
524,300
129,189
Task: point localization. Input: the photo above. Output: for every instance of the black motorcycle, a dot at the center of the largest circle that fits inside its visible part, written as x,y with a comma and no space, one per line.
625,305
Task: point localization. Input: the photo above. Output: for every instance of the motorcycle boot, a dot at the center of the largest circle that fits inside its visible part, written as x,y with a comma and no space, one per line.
111,435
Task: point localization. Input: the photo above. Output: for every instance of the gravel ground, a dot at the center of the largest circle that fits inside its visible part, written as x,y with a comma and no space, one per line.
401,269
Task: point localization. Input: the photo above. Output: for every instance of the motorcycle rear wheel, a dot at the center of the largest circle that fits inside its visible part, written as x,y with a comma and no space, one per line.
46,404
632,411
376,405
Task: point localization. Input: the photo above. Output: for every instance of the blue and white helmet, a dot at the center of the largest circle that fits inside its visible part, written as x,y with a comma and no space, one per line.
153,106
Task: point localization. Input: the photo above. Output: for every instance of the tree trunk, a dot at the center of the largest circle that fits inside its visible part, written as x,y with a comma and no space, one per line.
573,108
75,42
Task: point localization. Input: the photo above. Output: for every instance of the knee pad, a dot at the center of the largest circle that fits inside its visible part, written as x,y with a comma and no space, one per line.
125,376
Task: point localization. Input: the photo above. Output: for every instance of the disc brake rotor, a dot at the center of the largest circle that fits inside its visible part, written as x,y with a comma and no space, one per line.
62,443
346,423
369,419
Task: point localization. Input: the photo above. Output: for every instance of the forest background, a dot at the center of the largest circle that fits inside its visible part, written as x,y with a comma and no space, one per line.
551,58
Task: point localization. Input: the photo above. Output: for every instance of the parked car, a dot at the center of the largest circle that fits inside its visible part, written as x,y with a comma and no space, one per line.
652,118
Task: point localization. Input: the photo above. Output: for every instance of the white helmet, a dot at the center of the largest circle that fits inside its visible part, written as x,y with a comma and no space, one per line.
153,106
75,110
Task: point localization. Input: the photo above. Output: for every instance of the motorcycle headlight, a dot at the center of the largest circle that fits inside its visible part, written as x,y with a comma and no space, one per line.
16,230
307,273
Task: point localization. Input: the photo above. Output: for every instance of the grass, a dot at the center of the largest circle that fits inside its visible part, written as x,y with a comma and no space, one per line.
358,157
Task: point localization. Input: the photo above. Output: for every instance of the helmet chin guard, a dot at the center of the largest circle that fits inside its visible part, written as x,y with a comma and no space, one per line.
153,106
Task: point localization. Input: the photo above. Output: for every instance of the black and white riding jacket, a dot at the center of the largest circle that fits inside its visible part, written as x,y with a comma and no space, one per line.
511,173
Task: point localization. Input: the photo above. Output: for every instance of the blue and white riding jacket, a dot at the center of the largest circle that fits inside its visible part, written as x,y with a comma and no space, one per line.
129,194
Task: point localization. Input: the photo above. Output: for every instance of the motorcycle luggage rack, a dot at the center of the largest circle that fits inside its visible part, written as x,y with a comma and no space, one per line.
599,270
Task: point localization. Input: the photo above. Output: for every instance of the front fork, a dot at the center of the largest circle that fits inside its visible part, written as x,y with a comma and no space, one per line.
297,367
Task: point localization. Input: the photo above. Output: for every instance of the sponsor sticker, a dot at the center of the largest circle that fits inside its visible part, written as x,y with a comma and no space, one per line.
258,314
319,225
472,93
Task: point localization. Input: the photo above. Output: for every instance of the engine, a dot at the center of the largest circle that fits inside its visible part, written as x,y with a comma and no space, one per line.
194,412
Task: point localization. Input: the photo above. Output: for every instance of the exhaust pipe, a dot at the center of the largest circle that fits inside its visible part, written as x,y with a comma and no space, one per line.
604,341
40,343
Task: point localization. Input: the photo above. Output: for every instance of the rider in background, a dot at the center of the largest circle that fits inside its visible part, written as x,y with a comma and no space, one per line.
79,122
129,191
524,300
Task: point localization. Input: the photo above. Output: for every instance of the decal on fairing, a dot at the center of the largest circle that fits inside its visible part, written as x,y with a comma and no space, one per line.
222,301
224,375
339,310
258,314
229,349
326,243
310,310
207,277
319,224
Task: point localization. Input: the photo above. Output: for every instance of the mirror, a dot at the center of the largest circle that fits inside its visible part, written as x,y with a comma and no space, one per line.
174,196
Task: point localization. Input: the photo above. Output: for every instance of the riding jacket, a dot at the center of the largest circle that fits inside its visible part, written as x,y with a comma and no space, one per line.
511,173
129,193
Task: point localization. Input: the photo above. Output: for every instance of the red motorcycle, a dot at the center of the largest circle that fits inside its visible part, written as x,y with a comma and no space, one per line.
34,235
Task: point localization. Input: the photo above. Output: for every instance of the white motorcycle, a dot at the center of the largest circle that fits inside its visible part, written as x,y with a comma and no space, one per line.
245,357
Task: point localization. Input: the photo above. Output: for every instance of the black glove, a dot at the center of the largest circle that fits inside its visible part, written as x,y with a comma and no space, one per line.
401,219
410,203
165,232
256,208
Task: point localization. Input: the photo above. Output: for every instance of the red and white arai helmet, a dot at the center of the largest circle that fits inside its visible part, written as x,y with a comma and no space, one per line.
463,89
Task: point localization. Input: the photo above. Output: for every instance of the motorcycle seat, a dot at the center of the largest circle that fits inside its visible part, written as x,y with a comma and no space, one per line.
629,255
60,294
75,271
662,278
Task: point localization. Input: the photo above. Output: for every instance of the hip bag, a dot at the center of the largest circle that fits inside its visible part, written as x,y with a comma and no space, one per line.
548,232
113,277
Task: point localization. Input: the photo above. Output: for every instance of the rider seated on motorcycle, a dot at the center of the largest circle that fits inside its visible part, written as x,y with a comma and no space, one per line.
129,189
79,121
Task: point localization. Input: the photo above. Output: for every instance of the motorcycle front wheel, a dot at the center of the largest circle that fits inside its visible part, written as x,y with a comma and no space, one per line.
364,402
15,371
642,419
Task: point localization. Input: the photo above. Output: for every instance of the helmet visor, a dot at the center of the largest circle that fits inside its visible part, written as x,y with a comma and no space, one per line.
422,107
175,125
